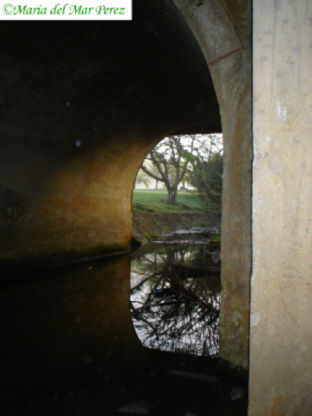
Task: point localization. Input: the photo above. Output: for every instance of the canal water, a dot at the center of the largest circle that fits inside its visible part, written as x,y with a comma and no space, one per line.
113,338
175,294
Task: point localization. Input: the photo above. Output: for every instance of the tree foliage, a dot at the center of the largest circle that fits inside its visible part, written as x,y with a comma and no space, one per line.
207,178
207,170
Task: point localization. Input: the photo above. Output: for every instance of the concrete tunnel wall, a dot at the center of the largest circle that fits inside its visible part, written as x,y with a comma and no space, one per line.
83,103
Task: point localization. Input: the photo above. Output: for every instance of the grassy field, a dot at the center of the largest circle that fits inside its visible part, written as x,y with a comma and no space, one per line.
153,201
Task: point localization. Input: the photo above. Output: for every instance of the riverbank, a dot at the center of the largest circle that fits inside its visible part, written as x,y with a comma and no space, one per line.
151,200
146,226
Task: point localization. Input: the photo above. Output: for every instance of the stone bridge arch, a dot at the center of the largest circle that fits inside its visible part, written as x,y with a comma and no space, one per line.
82,105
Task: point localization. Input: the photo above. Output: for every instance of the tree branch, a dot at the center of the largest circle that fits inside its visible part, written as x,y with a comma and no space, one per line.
151,174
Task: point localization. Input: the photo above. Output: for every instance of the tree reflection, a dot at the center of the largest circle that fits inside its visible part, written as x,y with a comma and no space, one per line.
175,299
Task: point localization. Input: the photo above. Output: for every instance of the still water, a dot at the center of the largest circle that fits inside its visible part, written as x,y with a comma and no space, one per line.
72,345
175,295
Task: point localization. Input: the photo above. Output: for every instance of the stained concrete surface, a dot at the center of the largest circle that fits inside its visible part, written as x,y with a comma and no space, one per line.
281,340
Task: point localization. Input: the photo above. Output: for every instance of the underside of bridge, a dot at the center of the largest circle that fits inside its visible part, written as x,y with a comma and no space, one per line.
82,103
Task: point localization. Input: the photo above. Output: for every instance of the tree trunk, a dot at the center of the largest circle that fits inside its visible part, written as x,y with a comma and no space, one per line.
172,195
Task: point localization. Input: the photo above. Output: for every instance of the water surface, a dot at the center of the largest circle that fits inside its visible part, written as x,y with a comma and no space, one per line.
69,347
175,293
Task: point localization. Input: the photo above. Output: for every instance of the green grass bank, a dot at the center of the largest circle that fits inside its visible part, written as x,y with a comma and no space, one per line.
152,216
147,200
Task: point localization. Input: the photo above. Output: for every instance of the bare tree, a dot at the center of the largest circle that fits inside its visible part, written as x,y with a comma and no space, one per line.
171,165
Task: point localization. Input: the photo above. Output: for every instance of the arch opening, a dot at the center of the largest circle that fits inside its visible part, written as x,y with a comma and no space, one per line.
176,274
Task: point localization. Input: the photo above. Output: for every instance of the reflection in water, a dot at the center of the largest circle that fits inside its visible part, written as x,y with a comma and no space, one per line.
68,346
175,297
